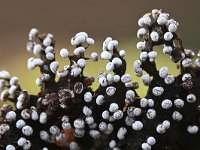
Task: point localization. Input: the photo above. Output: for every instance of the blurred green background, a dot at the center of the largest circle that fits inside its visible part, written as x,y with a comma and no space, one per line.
64,18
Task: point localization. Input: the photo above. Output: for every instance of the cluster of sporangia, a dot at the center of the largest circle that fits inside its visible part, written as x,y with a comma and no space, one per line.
68,114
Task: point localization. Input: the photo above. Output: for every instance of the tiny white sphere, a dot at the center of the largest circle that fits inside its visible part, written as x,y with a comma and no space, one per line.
105,43
130,94
105,115
162,20
157,91
112,144
14,81
191,98
79,39
26,114
179,103
27,145
163,72
150,102
167,49
66,126
38,82
117,61
95,134
105,55
187,62
44,135
151,114
74,146
89,120
103,81
79,50
47,41
110,78
116,78
143,102
54,66
166,104
76,71
50,56
140,45
186,76
141,32
94,56
79,123
121,133
27,130
112,44
38,62
11,116
81,63
64,53
147,20
19,105
137,125
160,129
49,49
90,41
177,116
154,36
126,78
113,107
129,120
146,146
169,79
37,49
110,66
166,124
34,115
152,55
20,124
146,79
110,91
82,34
79,133
197,62
118,115
168,36
143,56
192,129
21,141
172,27
137,112
100,100
10,147
33,33
88,97
151,140
12,89
43,118
4,95
141,22
103,126
122,53
93,126
4,74
87,111
54,130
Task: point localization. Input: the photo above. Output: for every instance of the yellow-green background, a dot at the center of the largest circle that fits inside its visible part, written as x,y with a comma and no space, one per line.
100,18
